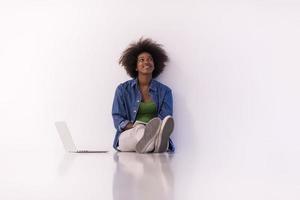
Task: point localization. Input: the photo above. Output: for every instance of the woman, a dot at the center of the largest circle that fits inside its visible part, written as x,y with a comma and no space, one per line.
143,107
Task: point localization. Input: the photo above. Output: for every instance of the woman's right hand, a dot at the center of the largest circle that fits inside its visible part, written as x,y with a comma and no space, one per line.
129,126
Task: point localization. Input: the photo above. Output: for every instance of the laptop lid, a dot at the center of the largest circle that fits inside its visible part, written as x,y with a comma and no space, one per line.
65,136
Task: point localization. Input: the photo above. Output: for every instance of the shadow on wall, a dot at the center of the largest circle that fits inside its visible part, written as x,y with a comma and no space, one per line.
185,104
184,131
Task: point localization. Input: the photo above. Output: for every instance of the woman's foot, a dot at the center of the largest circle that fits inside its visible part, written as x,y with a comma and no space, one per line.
162,140
146,143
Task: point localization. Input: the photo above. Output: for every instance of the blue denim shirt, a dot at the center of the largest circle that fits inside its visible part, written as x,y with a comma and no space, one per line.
127,100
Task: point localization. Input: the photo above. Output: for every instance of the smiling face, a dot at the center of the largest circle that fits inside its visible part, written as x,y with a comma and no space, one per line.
145,64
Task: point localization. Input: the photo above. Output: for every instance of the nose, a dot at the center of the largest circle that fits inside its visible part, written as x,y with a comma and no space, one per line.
147,61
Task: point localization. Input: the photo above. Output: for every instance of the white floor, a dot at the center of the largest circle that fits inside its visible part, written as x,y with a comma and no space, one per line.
131,176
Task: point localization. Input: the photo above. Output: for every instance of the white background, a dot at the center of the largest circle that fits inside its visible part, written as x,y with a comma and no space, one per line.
234,71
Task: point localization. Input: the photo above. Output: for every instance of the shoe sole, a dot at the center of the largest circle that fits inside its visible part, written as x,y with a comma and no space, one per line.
148,137
167,129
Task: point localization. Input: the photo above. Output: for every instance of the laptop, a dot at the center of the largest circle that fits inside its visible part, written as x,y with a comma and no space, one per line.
67,139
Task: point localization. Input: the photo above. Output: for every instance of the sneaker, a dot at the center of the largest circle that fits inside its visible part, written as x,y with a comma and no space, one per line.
151,131
162,140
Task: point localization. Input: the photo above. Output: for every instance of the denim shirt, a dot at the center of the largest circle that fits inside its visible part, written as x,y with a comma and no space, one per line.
127,100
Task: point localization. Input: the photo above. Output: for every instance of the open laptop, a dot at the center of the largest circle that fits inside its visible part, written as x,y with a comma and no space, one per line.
67,139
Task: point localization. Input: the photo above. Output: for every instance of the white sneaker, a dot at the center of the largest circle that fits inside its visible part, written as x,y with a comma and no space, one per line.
151,131
162,140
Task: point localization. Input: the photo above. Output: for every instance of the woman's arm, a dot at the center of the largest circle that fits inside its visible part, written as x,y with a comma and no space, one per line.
167,105
119,112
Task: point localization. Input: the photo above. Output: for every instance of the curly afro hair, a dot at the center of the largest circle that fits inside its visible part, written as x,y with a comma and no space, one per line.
129,56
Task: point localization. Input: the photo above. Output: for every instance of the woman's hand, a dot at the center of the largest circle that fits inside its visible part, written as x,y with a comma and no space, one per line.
129,126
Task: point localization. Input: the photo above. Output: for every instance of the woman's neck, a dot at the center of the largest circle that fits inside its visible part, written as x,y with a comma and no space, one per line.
144,80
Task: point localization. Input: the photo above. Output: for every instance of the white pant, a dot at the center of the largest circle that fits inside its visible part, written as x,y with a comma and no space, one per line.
129,138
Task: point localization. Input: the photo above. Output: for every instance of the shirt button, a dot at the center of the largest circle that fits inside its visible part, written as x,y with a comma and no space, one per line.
134,111
138,101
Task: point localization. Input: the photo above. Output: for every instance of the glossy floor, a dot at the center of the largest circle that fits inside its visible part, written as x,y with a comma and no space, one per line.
133,176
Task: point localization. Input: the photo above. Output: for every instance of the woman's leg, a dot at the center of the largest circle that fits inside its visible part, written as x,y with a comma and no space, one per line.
162,139
146,143
129,138
140,138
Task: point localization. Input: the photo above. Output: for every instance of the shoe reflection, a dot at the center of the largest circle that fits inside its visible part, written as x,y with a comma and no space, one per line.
143,176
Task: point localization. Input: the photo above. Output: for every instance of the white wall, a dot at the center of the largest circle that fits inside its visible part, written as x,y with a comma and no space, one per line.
234,71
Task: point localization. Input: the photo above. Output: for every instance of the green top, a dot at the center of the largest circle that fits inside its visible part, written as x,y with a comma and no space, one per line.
147,111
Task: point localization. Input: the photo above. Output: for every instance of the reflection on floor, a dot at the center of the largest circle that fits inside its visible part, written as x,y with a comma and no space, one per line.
143,176
234,175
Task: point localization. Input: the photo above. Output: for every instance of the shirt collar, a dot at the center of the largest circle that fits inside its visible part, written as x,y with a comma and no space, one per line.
152,84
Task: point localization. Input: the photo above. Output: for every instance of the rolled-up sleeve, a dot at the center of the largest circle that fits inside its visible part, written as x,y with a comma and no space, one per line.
167,105
118,111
